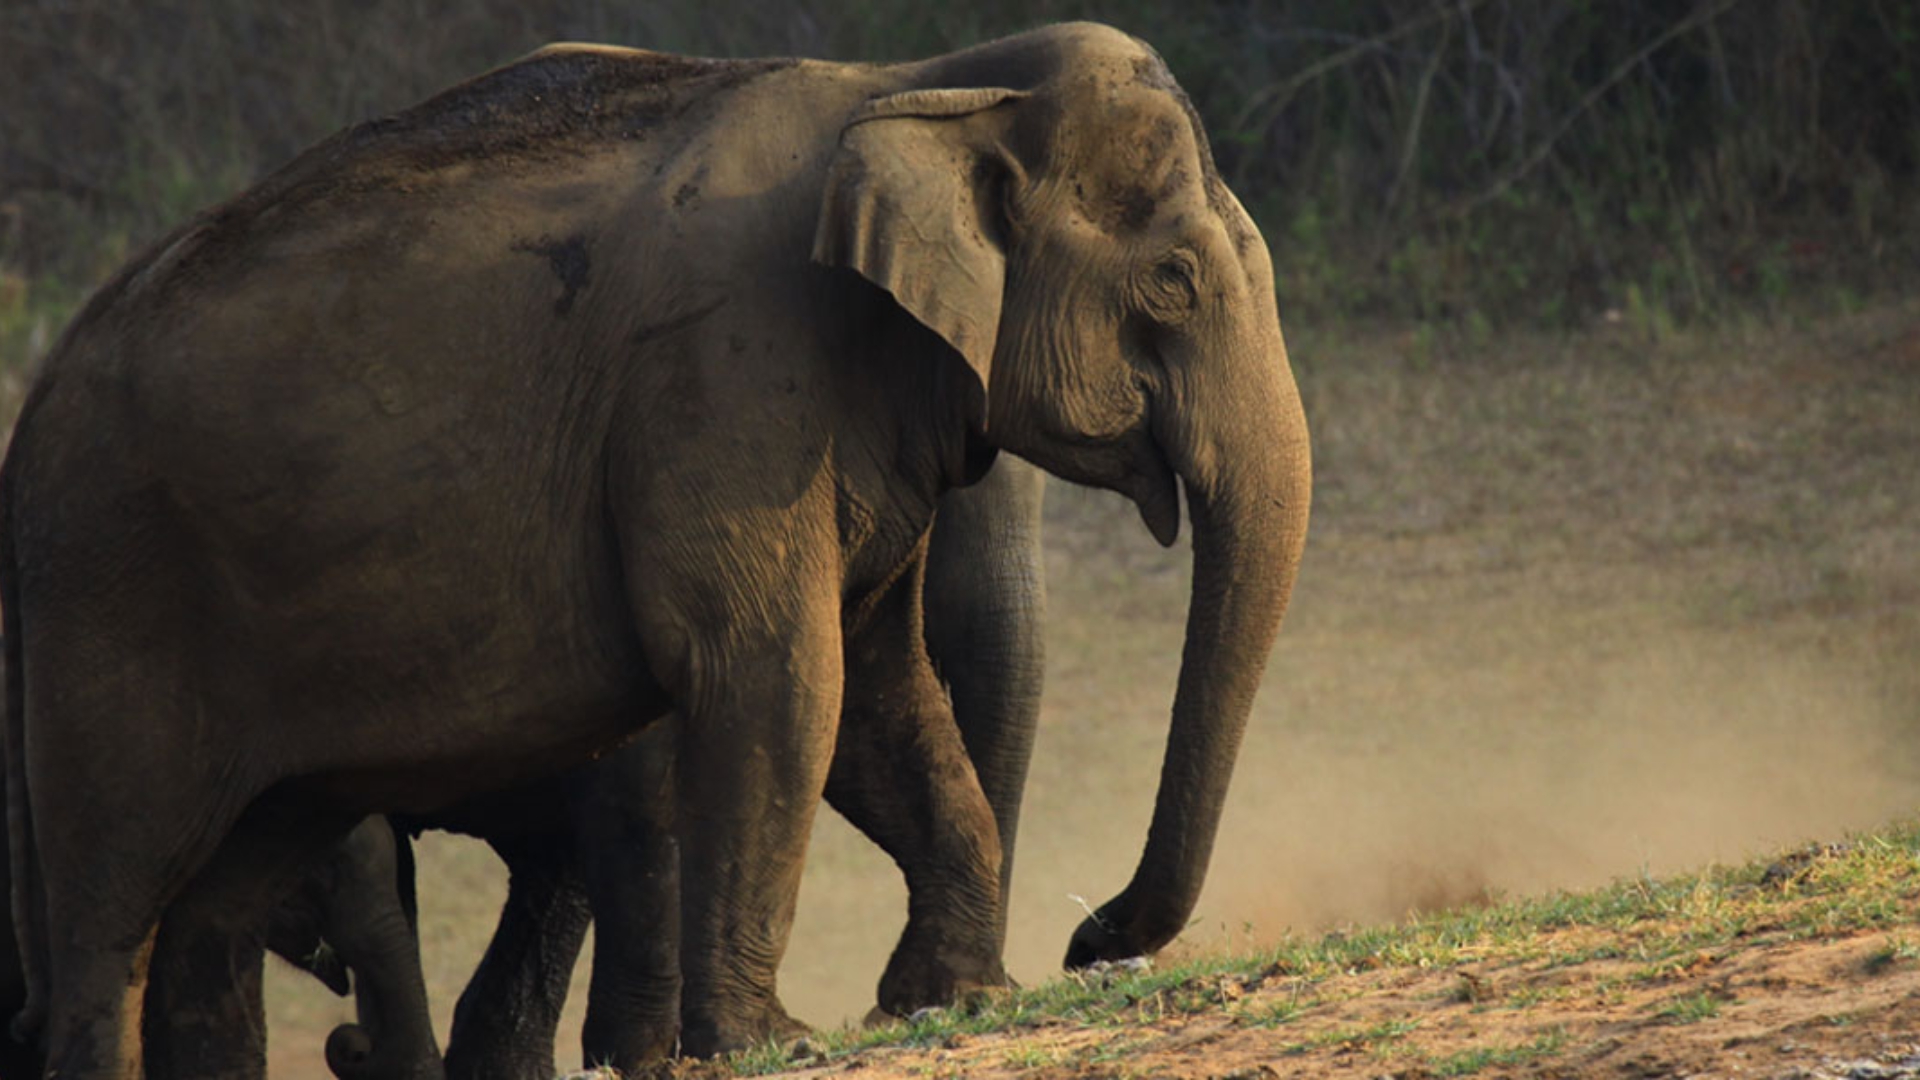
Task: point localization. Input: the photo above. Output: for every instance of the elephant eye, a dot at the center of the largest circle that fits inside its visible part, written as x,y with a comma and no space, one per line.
1173,288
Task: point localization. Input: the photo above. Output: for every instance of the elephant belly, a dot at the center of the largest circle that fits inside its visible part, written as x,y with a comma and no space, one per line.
474,792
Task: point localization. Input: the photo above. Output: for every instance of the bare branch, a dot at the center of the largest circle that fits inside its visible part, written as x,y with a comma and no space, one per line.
1533,157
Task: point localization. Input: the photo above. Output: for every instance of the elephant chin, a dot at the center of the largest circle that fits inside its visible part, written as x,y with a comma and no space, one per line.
1156,491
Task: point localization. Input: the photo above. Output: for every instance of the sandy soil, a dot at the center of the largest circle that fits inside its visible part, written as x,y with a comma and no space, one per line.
1575,608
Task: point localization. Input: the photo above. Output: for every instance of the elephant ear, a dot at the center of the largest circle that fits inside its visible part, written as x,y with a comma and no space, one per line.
905,207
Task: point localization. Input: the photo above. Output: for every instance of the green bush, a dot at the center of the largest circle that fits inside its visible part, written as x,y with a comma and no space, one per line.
1486,162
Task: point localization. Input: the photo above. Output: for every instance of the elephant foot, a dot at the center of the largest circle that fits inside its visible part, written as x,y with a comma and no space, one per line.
632,1048
923,978
702,1037
967,1000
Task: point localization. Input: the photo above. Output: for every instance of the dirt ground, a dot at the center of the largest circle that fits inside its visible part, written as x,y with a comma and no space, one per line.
1575,608
1802,1011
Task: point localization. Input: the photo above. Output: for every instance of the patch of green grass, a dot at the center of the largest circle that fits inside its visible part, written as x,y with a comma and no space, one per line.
768,1057
1276,1013
1897,949
1468,1062
1690,1008
1371,1037
1114,1050
1029,1056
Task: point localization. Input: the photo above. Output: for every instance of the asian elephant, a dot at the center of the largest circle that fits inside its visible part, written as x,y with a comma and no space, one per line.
348,923
352,923
607,384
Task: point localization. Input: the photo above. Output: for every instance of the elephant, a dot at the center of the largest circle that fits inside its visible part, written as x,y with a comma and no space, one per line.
351,912
352,923
606,385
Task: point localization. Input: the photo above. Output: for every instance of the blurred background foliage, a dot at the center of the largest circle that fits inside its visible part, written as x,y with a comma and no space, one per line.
1474,163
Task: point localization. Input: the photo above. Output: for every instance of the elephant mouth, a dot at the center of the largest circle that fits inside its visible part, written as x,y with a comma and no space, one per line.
1155,489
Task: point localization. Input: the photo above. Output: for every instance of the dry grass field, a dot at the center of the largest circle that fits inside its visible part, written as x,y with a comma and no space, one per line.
1576,608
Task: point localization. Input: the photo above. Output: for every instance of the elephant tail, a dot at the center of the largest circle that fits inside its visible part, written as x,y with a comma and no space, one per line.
29,926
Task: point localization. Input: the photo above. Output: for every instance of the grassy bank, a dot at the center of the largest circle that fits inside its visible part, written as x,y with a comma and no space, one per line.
1646,969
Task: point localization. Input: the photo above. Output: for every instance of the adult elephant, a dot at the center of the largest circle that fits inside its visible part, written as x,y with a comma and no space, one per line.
609,384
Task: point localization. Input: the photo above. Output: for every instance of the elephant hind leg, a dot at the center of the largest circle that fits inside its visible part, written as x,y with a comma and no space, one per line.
123,818
106,888
901,775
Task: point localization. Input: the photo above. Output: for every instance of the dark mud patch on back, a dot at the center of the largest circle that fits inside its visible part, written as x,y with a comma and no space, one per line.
561,101
569,261
550,102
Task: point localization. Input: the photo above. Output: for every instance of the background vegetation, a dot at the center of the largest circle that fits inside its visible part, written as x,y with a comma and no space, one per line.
1478,162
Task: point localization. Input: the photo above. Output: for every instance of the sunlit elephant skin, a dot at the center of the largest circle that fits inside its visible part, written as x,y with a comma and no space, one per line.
984,603
606,385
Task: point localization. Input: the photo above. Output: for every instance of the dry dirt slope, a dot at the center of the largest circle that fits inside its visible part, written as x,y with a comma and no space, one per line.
1808,966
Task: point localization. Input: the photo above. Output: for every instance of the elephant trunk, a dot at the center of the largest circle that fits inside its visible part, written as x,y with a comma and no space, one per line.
354,1052
1240,446
349,1053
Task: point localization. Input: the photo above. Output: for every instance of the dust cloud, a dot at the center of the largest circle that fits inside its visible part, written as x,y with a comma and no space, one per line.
1437,727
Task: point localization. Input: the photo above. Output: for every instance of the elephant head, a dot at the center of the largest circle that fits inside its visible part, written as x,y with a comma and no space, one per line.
1048,205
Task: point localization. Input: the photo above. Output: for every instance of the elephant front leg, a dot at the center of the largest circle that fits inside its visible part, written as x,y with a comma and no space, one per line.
754,748
902,776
